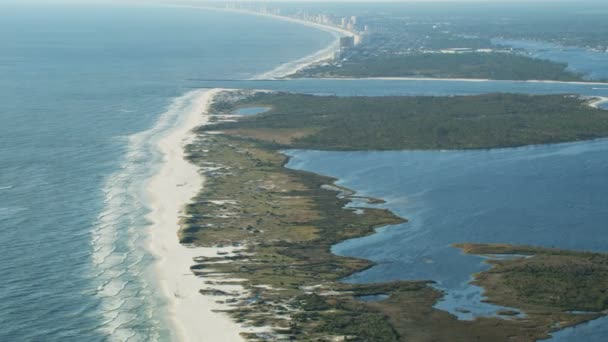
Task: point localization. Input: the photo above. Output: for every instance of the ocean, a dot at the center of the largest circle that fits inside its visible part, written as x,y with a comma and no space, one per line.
84,91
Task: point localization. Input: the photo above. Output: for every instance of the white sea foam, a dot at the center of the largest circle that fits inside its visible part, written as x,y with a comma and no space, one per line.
116,242
128,301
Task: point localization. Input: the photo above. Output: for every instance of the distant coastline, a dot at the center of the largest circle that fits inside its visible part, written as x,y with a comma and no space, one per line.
460,80
291,67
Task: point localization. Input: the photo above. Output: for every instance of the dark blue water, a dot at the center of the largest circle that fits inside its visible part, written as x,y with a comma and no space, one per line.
83,91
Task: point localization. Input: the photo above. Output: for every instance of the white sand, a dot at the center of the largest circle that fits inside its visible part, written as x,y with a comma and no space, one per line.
175,184
597,101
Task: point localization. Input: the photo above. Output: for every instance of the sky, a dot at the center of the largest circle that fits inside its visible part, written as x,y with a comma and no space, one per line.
33,2
259,1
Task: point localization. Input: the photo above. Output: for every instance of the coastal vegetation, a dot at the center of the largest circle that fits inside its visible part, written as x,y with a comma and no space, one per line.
402,122
497,66
285,223
277,225
542,277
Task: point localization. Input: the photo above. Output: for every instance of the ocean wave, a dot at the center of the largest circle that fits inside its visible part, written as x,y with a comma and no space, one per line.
9,212
128,304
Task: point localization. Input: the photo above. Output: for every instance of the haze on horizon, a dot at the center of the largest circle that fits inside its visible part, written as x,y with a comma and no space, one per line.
297,1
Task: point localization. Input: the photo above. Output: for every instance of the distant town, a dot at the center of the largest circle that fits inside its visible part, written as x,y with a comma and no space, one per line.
386,40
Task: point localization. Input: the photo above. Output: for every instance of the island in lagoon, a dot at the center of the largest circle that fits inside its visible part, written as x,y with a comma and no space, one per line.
275,226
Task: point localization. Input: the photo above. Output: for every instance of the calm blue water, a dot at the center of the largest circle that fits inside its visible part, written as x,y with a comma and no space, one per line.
251,110
83,91
379,87
551,196
592,64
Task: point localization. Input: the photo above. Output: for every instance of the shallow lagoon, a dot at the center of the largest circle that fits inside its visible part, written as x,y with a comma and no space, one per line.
403,87
551,196
592,64
251,110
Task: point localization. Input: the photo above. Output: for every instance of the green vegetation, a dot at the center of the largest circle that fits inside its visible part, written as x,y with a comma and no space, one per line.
567,280
498,66
394,123
284,223
287,223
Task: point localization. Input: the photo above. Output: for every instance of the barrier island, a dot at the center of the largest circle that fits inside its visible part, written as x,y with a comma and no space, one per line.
278,225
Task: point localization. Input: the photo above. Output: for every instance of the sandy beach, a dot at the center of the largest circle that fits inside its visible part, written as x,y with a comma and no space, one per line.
598,101
168,191
191,313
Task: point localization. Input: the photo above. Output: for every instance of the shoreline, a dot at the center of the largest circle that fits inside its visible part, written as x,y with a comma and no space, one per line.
276,304
290,68
174,185
597,101
431,79
192,314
